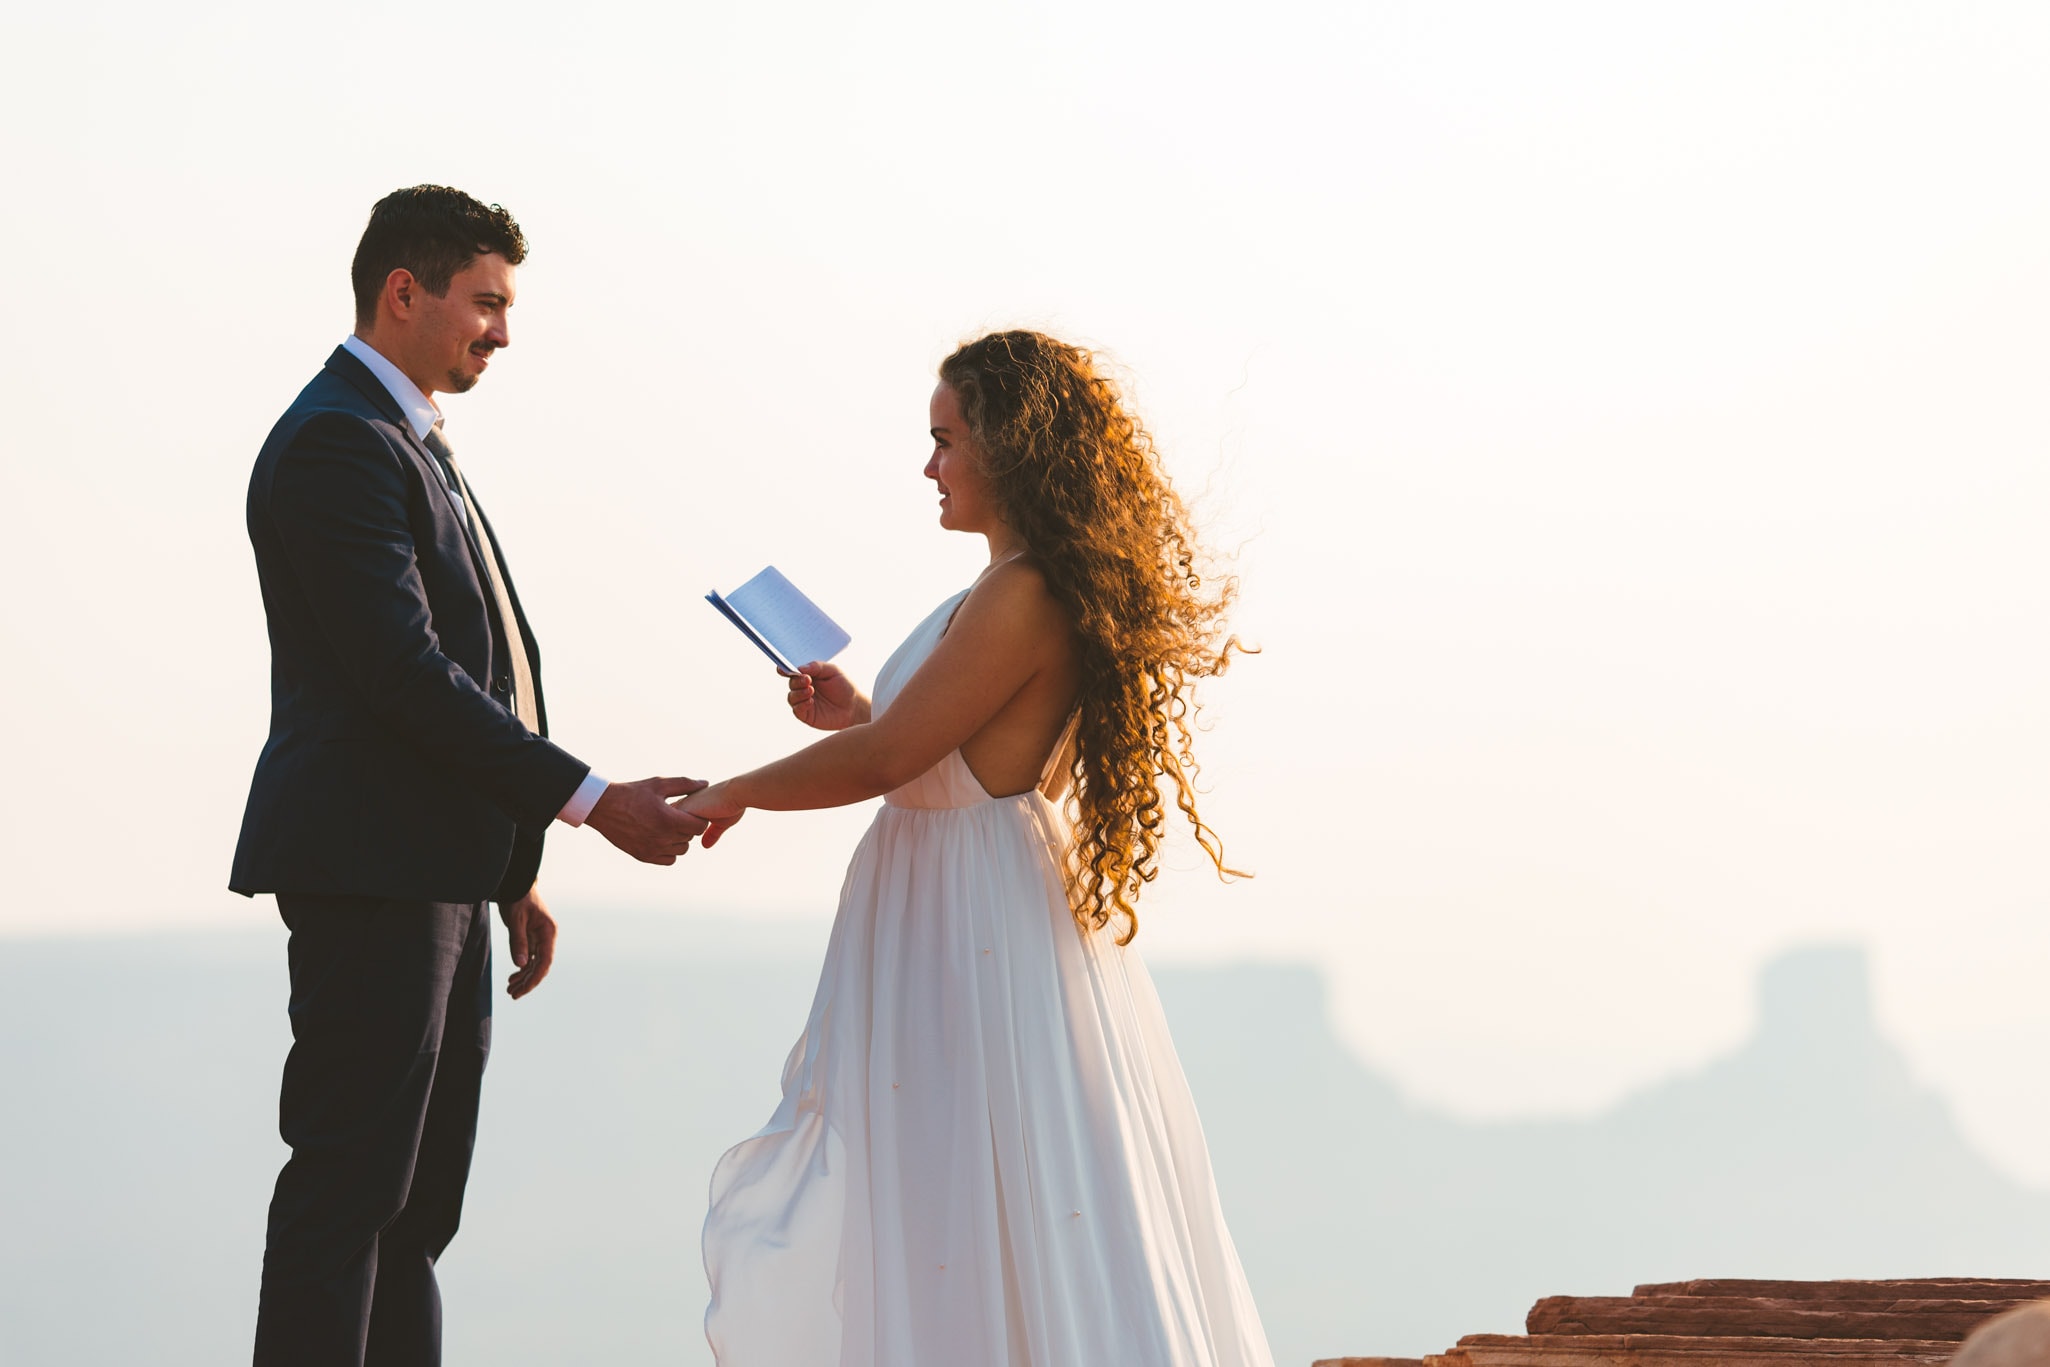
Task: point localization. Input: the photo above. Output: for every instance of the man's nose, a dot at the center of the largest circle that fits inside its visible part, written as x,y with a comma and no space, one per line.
498,335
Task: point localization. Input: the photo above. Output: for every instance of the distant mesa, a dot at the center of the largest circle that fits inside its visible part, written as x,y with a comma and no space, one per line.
1366,1220
1808,1152
1821,994
1745,1323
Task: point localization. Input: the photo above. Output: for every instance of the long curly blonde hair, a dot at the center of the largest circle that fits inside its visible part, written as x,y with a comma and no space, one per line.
1076,475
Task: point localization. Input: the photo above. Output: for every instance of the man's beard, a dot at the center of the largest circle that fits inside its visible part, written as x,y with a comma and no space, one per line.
461,381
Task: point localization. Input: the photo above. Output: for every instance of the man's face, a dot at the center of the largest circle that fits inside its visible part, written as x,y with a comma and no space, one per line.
455,335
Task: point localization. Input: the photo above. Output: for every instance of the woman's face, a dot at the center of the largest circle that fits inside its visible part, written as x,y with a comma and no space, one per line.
956,468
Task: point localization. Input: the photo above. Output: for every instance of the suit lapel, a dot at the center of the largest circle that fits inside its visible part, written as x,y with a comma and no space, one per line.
524,643
447,479
442,478
512,594
372,388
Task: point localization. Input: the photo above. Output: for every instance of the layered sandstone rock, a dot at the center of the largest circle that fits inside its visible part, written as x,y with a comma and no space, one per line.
1745,1323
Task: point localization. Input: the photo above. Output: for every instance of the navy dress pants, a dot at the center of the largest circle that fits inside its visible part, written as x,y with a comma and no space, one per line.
391,1023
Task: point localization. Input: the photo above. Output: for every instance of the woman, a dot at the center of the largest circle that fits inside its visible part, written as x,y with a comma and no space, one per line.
986,1154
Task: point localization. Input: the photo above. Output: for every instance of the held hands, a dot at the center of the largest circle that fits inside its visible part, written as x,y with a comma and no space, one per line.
641,819
825,699
716,806
821,696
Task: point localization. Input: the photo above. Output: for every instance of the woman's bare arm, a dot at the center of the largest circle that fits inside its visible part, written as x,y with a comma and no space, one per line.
1006,632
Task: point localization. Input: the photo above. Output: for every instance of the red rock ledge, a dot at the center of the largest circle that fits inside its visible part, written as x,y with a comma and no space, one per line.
1742,1323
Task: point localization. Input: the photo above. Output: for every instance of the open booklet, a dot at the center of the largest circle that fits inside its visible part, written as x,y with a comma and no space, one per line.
788,626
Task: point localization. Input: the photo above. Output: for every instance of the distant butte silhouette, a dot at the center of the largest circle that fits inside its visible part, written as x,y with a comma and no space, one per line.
1371,1224
140,1133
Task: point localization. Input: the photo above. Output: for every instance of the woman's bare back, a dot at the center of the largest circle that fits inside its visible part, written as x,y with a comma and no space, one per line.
1013,751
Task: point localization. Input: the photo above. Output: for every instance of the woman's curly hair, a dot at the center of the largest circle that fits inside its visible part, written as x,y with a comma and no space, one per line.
1076,475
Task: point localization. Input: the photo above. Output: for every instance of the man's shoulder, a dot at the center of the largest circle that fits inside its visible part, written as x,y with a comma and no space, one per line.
344,386
332,408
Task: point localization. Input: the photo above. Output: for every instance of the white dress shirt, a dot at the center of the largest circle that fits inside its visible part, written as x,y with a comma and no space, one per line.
422,415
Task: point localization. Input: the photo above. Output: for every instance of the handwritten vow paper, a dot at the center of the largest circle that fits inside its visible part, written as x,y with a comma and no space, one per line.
788,626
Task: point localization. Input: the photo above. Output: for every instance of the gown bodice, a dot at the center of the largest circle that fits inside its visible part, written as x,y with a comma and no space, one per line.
950,783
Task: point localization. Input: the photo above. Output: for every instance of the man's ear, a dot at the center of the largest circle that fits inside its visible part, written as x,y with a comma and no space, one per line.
401,292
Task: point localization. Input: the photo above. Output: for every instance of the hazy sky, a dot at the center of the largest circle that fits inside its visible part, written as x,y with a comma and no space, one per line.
1631,420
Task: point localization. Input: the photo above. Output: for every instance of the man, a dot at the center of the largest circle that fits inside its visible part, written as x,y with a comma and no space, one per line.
406,783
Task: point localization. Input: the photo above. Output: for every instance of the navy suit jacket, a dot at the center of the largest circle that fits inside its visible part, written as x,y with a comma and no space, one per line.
394,766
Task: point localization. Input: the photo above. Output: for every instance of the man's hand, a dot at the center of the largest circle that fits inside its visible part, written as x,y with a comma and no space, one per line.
640,818
531,932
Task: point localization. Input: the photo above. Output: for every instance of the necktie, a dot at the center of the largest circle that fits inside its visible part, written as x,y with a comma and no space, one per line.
508,621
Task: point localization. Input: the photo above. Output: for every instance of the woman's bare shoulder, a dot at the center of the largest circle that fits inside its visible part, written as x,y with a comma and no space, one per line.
1016,596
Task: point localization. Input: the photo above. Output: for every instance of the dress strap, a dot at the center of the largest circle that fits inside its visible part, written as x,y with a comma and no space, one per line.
1061,750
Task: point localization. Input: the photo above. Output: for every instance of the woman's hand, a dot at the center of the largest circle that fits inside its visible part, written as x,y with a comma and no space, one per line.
716,808
825,699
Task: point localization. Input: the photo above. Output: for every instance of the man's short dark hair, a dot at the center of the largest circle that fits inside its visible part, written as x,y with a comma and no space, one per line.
434,232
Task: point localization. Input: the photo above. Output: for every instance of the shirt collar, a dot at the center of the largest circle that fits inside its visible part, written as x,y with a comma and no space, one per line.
421,414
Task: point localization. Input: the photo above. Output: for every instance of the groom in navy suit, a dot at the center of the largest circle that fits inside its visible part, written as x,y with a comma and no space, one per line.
405,785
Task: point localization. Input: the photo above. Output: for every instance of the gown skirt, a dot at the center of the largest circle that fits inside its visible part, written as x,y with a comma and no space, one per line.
986,1154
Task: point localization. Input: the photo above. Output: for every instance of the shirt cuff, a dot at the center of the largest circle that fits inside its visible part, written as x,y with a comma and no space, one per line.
582,800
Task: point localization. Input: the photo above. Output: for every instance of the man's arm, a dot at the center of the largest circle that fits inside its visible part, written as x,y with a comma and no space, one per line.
337,498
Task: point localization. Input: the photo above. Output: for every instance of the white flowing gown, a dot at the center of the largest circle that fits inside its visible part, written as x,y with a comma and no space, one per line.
986,1154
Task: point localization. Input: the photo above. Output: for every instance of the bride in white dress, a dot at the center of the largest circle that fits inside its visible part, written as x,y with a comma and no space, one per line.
986,1154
